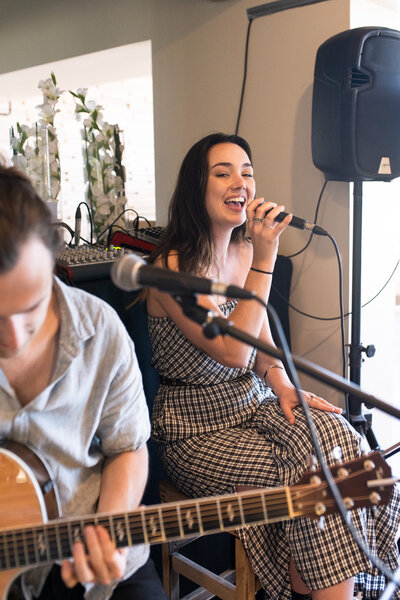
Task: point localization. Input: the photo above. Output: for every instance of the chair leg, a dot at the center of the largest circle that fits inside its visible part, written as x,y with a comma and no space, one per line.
245,578
170,577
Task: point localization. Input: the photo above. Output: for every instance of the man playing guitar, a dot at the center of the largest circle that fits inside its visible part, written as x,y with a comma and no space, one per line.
70,389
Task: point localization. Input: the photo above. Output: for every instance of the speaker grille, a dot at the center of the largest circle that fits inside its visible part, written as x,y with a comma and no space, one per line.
358,78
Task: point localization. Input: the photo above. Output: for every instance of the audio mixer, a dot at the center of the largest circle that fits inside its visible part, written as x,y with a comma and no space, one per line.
85,263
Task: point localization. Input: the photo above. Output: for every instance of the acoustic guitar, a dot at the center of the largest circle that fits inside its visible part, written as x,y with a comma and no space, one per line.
32,534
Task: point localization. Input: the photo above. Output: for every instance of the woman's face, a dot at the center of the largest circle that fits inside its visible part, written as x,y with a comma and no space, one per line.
230,185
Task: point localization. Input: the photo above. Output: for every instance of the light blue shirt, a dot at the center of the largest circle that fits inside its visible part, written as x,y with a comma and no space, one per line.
93,408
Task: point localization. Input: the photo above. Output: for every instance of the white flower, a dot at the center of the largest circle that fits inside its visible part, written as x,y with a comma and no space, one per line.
103,209
53,147
104,187
100,137
55,187
19,162
26,129
118,182
97,190
108,160
54,168
47,112
29,152
35,162
91,105
45,84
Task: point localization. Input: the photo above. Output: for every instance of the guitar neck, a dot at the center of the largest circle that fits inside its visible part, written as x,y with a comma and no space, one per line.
48,542
363,481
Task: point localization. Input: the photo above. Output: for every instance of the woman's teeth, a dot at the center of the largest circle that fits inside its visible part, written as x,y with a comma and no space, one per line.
235,201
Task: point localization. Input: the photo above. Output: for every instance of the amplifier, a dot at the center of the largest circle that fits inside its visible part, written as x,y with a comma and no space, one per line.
144,240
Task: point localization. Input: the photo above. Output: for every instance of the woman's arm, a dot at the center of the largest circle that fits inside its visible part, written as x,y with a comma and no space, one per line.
248,315
271,370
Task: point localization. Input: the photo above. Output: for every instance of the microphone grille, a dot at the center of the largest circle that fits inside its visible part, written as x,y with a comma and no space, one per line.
124,272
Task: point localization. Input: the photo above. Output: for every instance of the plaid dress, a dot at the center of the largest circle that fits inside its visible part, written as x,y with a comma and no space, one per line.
218,427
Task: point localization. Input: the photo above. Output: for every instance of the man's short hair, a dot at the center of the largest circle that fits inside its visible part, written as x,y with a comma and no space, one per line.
23,215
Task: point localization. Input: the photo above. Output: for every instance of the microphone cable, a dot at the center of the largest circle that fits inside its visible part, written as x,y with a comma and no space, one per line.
89,212
341,306
341,310
68,228
342,314
108,228
315,221
246,54
348,314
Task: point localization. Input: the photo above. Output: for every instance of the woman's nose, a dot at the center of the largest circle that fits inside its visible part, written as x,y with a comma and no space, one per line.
239,182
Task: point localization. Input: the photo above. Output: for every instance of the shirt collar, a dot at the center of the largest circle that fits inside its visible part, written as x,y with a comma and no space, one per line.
76,324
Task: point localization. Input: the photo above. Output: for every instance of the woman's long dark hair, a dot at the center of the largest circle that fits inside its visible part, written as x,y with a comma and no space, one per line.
188,231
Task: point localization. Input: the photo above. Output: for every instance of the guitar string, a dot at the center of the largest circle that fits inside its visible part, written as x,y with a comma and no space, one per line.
169,516
28,555
211,502
252,507
207,507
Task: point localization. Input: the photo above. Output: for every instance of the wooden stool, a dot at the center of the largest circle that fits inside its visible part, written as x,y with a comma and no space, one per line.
235,584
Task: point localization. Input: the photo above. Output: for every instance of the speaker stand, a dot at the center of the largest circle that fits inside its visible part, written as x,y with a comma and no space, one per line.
362,423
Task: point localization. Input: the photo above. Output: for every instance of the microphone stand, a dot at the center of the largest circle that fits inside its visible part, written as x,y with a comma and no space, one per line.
214,325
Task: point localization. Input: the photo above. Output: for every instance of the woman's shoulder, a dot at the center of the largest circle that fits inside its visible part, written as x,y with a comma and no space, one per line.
154,301
171,261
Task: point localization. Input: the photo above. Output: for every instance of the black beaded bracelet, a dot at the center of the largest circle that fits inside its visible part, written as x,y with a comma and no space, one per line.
260,271
271,367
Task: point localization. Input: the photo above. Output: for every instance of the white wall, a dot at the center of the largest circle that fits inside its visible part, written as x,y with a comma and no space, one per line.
277,120
198,52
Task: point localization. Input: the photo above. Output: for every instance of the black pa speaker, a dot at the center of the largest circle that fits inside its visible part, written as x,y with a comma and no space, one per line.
356,105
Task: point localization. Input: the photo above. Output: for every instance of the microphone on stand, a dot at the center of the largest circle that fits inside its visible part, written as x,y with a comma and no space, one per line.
131,272
78,222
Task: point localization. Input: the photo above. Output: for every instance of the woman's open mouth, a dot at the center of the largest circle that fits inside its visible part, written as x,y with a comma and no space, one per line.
235,202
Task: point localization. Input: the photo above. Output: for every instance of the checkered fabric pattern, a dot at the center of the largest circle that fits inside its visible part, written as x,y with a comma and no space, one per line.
219,427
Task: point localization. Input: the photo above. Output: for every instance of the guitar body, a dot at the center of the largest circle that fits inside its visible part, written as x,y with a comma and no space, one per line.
27,497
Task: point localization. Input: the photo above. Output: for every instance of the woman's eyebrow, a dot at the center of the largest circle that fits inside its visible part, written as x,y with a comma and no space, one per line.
228,164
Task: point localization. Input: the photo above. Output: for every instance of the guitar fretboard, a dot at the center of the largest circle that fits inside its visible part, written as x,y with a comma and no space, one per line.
53,541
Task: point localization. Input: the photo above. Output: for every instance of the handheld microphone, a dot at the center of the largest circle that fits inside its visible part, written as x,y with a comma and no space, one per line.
300,223
78,221
132,272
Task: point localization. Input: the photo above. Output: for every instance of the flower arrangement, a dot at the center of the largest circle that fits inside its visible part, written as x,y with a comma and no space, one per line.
35,149
104,173
47,111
